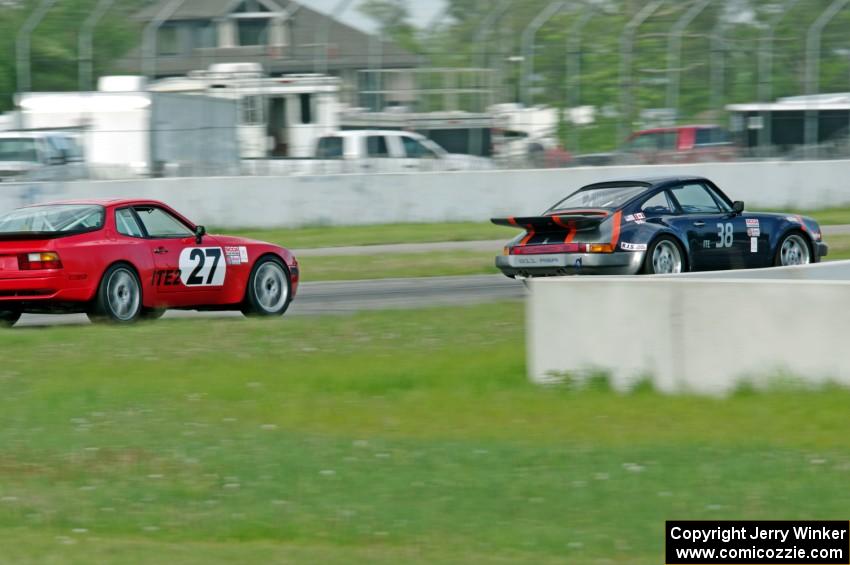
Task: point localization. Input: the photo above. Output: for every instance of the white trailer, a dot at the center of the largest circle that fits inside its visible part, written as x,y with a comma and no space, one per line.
277,116
128,131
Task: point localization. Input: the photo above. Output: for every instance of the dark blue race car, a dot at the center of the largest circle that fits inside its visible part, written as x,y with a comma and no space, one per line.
667,225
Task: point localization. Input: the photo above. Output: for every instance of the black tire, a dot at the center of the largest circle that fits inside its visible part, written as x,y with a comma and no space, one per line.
269,290
152,313
9,318
119,296
669,244
793,249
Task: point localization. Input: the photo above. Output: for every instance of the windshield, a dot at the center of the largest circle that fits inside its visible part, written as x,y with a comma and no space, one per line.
54,219
18,149
611,197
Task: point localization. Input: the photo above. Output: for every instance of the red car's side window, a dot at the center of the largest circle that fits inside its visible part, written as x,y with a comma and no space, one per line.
159,224
126,223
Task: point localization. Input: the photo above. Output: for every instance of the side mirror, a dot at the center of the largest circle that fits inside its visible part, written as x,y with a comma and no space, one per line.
200,232
738,207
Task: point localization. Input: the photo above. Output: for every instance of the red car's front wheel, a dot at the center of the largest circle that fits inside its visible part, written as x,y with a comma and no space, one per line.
269,289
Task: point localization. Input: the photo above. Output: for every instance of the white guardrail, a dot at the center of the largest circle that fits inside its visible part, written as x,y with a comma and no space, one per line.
292,201
702,333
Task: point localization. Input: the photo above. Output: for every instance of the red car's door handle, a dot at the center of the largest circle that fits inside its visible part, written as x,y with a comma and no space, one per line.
160,250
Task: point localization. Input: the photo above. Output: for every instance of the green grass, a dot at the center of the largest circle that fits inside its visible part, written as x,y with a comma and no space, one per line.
824,216
342,236
387,437
391,265
830,216
839,247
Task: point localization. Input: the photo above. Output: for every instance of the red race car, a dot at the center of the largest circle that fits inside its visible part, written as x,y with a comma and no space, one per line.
121,260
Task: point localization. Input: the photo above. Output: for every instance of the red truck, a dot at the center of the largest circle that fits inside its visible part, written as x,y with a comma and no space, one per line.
680,144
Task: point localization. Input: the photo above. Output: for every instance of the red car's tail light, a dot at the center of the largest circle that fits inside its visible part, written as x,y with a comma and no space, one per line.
39,261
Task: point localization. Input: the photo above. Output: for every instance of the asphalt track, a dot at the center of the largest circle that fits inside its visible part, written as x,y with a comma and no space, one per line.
346,297
491,245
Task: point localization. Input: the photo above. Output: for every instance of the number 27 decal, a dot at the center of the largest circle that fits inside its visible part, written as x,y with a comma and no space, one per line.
202,266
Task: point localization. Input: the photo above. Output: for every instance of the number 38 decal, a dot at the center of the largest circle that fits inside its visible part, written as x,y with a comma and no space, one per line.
202,266
725,233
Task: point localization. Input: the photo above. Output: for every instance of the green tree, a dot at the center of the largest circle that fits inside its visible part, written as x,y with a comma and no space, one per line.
393,18
735,44
53,60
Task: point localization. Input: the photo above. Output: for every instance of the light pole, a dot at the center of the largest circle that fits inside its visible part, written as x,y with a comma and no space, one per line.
528,36
766,70
674,54
149,37
813,70
320,64
573,75
718,63
479,41
85,58
23,44
626,45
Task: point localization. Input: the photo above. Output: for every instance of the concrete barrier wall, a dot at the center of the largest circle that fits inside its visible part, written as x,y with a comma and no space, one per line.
702,335
434,197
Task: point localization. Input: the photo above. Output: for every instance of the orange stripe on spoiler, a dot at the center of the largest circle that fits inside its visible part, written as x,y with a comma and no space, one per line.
558,221
615,229
570,227
529,229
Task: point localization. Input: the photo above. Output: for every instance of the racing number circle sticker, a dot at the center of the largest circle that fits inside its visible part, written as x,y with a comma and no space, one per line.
202,266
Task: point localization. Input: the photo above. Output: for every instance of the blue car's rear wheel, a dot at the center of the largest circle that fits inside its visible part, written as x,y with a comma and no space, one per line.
664,257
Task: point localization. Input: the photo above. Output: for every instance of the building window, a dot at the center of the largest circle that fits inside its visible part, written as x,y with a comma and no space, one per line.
253,31
203,35
167,40
252,110
250,6
306,108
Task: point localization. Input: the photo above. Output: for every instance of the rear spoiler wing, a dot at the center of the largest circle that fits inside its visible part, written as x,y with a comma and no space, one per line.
555,222
38,235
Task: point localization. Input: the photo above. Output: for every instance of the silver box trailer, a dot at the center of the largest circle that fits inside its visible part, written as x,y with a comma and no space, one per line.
140,133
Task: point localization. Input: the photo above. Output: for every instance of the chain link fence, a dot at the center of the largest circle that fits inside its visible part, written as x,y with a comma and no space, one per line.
265,89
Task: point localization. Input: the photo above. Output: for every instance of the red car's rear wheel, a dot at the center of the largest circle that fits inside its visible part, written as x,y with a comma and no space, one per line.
8,318
119,296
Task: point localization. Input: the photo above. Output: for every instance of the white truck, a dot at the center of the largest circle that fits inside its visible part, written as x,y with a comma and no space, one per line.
387,151
278,117
40,156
